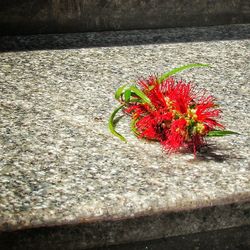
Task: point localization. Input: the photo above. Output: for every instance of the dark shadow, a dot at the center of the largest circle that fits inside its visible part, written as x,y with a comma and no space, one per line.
213,153
231,239
123,38
117,119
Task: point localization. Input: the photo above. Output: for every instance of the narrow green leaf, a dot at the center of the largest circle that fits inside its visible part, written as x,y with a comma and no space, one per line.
112,124
119,91
221,133
132,126
176,70
127,95
140,94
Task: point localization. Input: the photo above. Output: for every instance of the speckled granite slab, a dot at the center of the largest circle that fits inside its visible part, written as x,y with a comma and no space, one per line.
60,165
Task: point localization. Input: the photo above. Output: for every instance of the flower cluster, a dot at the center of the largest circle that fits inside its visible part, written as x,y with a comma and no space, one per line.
177,115
170,111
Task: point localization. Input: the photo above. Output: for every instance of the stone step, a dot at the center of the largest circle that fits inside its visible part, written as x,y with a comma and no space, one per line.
65,181
63,16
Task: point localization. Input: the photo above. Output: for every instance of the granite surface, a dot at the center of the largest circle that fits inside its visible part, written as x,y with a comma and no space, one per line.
59,164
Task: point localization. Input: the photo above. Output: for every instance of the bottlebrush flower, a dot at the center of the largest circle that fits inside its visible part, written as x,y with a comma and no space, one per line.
170,111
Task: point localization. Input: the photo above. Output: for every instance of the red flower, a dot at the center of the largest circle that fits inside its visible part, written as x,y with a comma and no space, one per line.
178,117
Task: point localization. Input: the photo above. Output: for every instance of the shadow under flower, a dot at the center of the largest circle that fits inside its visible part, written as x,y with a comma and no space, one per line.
214,153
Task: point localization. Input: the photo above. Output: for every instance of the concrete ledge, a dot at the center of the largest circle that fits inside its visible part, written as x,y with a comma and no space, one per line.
145,227
62,16
63,176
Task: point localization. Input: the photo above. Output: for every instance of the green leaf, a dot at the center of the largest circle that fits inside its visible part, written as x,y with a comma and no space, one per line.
112,124
127,95
221,133
176,70
119,91
140,94
132,126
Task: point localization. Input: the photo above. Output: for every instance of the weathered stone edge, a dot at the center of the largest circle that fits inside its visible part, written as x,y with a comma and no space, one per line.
145,227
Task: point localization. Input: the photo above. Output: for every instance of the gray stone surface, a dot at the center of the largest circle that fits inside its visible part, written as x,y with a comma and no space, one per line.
60,165
62,16
151,225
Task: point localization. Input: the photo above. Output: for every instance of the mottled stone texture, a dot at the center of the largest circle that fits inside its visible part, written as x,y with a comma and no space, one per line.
145,227
61,170
53,16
